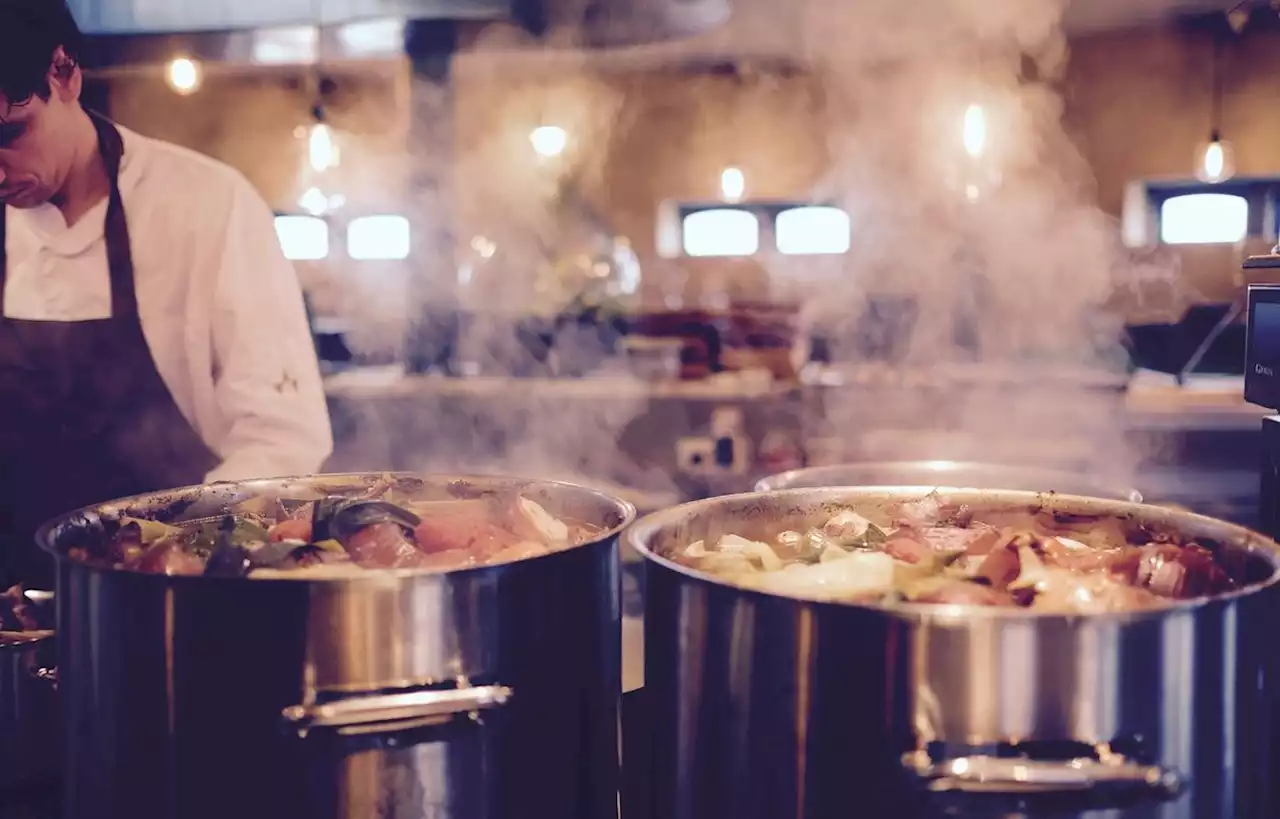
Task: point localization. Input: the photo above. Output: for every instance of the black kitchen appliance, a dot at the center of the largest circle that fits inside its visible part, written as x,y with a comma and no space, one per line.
1261,384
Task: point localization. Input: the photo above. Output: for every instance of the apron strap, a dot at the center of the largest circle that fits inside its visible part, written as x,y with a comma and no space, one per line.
124,299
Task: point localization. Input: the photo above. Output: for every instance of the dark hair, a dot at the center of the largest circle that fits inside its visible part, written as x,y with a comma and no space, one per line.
30,32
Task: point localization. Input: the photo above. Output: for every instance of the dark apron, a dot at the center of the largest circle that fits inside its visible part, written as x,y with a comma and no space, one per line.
84,415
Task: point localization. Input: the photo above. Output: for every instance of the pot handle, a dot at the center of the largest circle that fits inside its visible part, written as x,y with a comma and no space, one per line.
395,712
992,774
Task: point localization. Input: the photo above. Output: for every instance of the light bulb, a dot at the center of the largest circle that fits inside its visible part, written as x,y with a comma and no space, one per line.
184,75
975,131
732,184
322,151
1215,160
549,140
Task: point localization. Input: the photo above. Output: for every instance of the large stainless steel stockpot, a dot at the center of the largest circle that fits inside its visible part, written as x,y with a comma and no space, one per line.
949,474
767,706
489,692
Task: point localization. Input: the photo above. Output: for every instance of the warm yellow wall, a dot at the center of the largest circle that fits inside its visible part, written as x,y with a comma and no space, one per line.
1137,103
248,118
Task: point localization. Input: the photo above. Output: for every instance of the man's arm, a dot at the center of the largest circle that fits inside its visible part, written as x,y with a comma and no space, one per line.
267,380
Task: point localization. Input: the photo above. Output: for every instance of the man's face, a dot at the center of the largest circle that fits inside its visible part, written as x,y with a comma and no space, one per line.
36,152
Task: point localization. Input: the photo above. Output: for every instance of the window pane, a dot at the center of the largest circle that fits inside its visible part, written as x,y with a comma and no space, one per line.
1204,218
813,230
378,237
303,238
721,232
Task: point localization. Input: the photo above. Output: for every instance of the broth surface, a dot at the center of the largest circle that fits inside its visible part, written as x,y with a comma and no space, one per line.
334,536
933,551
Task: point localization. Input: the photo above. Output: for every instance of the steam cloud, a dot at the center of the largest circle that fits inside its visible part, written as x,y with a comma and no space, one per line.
1010,242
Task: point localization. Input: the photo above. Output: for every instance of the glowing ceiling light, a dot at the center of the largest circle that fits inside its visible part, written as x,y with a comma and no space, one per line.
732,184
184,75
1215,160
975,131
322,150
549,140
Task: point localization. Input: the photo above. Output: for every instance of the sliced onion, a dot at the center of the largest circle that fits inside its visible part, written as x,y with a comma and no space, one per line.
858,574
846,525
555,532
768,558
695,549
833,552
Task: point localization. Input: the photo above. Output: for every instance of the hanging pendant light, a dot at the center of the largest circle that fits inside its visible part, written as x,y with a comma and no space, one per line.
1215,159
322,149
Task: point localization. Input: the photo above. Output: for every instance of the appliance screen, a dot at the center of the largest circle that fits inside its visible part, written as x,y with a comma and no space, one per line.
1264,341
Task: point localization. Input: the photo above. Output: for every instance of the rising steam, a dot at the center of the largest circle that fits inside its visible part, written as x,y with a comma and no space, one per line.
945,141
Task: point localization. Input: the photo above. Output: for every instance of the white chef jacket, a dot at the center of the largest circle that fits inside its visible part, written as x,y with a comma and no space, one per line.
220,305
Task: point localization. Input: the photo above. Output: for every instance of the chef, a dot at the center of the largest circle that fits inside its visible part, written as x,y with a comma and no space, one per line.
152,334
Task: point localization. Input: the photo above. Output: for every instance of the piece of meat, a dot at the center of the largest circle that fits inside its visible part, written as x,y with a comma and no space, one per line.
955,539
291,529
1123,563
384,546
1001,566
985,540
907,549
470,533
1181,572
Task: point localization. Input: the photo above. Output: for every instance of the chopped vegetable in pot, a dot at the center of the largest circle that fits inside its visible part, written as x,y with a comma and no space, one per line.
934,552
340,536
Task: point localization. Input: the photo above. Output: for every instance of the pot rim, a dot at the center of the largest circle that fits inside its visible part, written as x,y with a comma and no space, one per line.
625,509
781,481
21,640
643,530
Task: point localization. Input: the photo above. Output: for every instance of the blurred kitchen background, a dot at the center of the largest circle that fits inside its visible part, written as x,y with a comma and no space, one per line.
675,267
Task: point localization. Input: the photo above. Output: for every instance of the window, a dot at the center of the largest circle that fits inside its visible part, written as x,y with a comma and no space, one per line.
1204,218
812,230
303,238
721,232
371,238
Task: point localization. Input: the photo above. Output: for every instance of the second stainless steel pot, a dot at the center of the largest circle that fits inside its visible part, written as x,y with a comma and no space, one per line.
767,706
490,693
